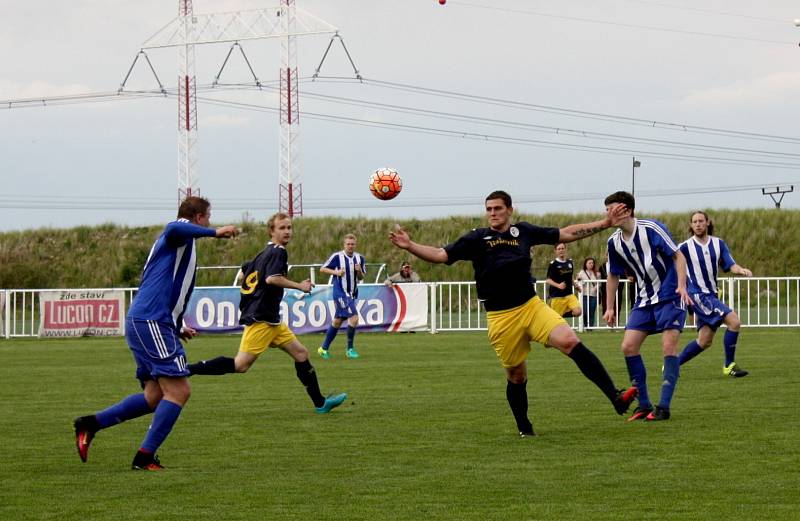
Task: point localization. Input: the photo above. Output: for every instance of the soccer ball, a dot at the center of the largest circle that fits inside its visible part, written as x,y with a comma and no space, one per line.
385,183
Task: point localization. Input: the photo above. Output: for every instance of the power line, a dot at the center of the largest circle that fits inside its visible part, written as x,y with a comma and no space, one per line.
588,114
464,134
710,11
542,128
625,25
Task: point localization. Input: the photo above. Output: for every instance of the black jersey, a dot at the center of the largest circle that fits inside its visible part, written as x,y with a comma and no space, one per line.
502,262
560,271
260,302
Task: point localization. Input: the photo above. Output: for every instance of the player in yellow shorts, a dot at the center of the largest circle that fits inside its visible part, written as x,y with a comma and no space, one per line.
559,284
501,258
264,279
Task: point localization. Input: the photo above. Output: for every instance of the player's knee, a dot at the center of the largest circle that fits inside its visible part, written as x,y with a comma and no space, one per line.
564,339
179,393
242,365
629,349
733,322
705,343
300,354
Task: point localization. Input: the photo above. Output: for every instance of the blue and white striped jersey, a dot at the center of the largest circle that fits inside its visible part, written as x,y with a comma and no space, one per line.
703,260
347,284
169,273
648,255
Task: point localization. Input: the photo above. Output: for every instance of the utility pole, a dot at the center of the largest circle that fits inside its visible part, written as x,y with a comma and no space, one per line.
777,194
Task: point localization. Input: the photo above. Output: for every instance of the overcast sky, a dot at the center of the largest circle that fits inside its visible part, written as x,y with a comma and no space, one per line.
572,68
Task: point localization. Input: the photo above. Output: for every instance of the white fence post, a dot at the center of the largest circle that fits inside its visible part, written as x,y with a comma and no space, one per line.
6,313
432,288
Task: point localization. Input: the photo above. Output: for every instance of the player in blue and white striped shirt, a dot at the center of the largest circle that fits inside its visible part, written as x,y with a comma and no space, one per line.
347,268
704,255
645,247
152,329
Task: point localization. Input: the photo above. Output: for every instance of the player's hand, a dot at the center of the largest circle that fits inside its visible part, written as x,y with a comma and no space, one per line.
227,231
561,285
616,213
610,316
400,237
187,333
746,273
357,267
684,295
306,286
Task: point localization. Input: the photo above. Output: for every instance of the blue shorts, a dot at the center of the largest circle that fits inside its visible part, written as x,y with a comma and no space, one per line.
345,307
658,317
156,349
709,310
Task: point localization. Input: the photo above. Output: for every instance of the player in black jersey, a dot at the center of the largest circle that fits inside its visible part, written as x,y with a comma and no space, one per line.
263,282
560,284
501,259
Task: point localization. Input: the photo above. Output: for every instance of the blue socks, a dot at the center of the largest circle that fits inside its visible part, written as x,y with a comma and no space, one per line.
638,376
329,336
691,350
669,380
163,420
730,346
129,408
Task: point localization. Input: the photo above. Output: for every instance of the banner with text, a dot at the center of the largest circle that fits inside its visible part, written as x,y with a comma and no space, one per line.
402,307
81,313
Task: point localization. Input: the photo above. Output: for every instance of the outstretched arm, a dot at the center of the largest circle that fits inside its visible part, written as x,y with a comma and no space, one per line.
402,240
616,213
282,282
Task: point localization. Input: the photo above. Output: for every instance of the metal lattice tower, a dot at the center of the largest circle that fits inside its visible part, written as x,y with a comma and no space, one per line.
187,103
290,199
188,30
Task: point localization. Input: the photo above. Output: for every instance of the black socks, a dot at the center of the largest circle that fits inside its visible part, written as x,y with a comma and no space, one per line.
308,377
217,366
593,369
517,396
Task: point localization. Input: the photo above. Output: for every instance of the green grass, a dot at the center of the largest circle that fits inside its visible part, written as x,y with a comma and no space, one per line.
425,434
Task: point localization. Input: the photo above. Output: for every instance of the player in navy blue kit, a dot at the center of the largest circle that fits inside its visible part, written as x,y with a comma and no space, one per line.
263,283
704,254
646,248
560,284
501,259
153,330
347,268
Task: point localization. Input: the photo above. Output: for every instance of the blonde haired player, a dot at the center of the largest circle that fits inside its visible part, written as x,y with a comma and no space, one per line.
263,282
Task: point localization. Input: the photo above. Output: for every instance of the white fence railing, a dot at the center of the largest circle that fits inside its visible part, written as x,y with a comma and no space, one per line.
454,306
759,302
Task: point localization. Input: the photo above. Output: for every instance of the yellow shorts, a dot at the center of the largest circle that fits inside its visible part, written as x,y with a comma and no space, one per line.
563,304
259,336
512,330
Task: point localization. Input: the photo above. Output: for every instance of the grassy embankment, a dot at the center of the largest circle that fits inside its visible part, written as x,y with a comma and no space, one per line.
112,256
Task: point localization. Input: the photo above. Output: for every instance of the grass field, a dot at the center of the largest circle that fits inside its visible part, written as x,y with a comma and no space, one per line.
425,434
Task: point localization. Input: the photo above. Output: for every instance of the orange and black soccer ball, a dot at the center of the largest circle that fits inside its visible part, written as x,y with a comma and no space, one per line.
385,183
